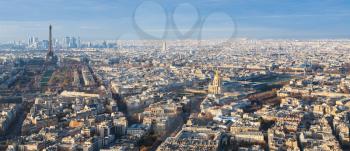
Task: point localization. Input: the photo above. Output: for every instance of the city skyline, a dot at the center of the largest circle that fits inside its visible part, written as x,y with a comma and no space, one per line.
109,20
163,75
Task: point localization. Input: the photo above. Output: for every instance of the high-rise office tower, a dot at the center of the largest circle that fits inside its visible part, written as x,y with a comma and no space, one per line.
78,43
164,46
66,42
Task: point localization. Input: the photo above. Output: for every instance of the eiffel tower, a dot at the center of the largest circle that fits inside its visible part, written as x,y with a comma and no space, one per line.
50,55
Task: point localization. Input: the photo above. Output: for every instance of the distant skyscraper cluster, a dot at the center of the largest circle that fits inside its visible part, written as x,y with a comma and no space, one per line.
68,42
33,42
72,42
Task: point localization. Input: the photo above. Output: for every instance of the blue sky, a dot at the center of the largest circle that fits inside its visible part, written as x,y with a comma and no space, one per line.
175,19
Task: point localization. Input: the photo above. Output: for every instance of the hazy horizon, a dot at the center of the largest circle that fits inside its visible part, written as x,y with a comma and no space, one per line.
205,19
